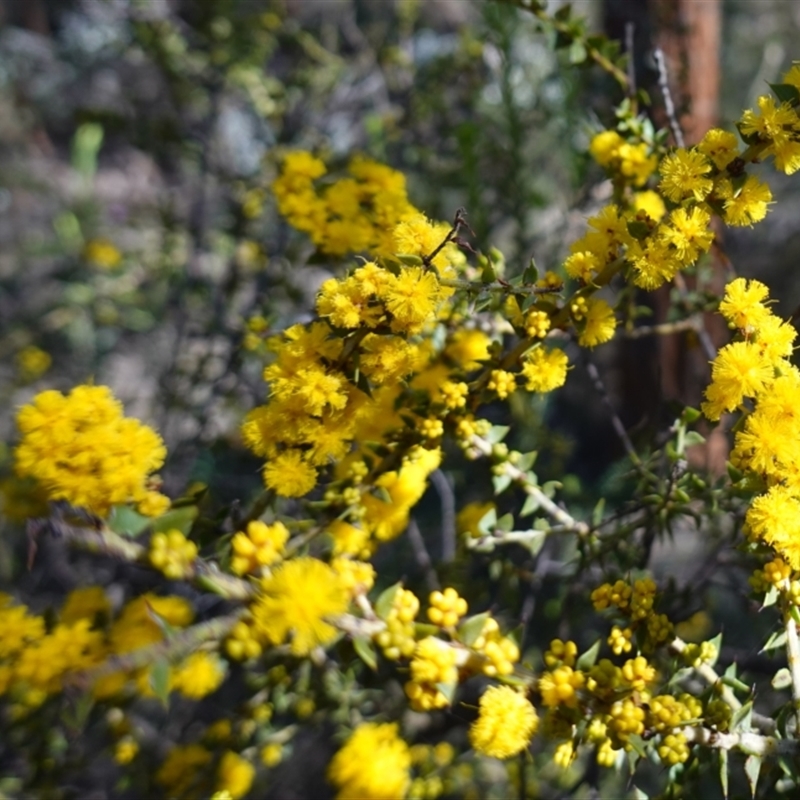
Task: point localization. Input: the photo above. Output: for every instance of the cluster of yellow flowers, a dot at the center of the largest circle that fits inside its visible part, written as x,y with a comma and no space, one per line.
349,215
657,242
756,368
81,449
37,659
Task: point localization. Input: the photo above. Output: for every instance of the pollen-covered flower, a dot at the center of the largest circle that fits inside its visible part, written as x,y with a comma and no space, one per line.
295,601
688,233
719,146
746,205
600,323
260,546
683,174
411,297
234,775
289,474
545,370
738,371
743,305
373,764
506,723
81,449
200,674
774,518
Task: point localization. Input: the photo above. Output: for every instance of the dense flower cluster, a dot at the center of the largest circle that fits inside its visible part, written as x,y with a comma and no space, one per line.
350,215
83,450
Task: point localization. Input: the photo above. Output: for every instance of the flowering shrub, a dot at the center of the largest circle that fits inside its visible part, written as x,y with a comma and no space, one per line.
290,604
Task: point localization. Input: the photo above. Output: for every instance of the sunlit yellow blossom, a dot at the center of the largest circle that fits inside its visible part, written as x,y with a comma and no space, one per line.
200,674
172,553
748,204
87,602
545,370
774,518
182,770
469,517
683,174
604,147
738,371
467,348
599,325
719,146
651,203
260,546
235,775
688,233
295,601
32,362
559,687
349,540
289,474
81,449
102,253
743,305
411,297
582,265
153,504
772,120
654,264
373,764
17,629
506,723
635,163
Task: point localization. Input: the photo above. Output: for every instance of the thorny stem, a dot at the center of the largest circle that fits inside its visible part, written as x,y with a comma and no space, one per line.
712,678
793,657
174,648
753,744
532,489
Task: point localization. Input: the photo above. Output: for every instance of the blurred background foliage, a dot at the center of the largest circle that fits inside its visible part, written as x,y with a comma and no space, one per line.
138,236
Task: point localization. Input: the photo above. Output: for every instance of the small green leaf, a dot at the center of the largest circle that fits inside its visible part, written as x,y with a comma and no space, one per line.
577,52
497,433
770,598
785,92
782,679
752,766
448,690
587,659
470,628
638,229
530,505
741,719
181,519
488,274
638,794
506,523
637,743
159,680
776,640
501,483
723,772
693,437
531,273
597,513
488,521
384,603
127,522
366,651
409,260
526,461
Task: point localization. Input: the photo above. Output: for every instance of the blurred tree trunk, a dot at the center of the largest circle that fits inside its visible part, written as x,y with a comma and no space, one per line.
688,32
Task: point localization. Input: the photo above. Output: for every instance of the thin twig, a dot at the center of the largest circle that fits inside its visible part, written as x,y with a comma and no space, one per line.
616,422
669,106
422,555
630,29
793,658
448,505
